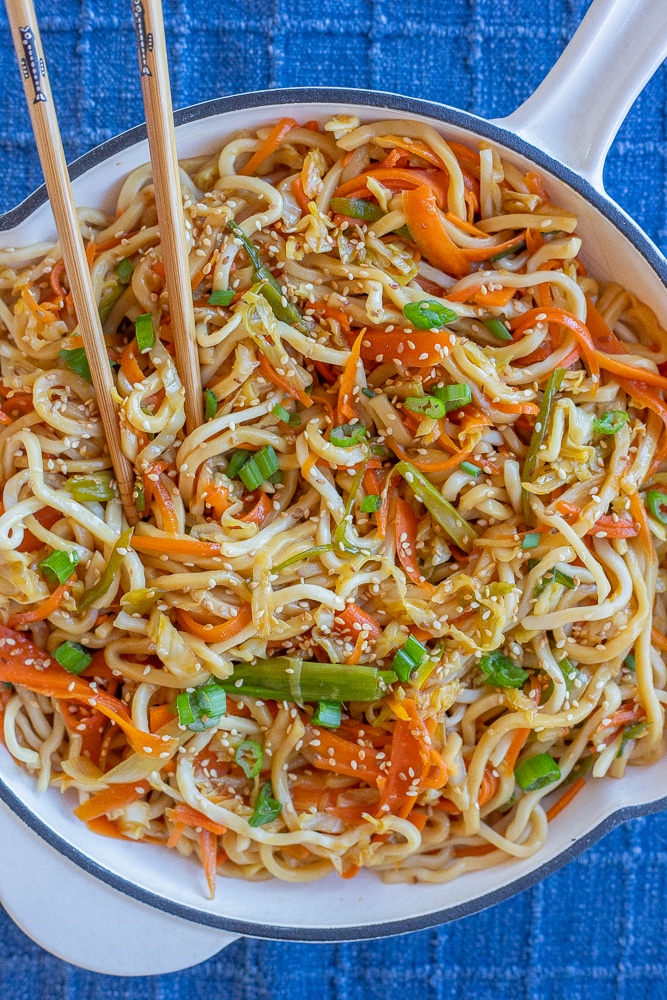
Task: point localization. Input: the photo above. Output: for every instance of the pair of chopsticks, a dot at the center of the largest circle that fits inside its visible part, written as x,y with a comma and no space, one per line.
154,71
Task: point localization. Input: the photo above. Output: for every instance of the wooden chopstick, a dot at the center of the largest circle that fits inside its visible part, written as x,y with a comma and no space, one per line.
28,46
154,70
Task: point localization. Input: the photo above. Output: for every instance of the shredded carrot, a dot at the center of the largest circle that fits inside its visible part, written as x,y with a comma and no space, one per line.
658,640
354,616
300,195
515,748
217,498
423,219
570,322
496,298
346,410
164,545
110,799
397,708
535,185
488,788
91,251
483,253
18,665
565,799
188,816
216,633
407,524
54,279
45,312
418,349
350,872
296,392
476,850
269,146
259,512
50,605
106,828
398,179
160,715
128,364
165,504
419,463
409,765
208,852
345,755
651,401
638,511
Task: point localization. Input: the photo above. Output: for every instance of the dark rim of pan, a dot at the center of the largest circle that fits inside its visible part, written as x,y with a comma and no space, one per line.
626,227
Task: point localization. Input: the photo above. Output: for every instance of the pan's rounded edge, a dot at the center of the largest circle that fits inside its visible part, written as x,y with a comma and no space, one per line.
607,207
324,935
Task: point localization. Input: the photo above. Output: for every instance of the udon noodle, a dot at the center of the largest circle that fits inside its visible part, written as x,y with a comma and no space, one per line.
404,582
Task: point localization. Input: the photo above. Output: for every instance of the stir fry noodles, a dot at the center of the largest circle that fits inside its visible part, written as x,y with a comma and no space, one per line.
404,582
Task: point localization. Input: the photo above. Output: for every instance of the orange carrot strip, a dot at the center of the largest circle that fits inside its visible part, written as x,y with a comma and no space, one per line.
300,195
55,682
566,319
128,364
488,788
91,251
448,463
345,754
648,399
165,505
185,814
409,764
216,633
515,747
630,372
419,349
497,297
45,312
269,146
346,410
104,827
175,546
354,615
483,253
638,511
217,498
50,605
160,715
397,179
565,799
259,512
292,390
407,524
54,279
423,220
110,799
658,640
208,852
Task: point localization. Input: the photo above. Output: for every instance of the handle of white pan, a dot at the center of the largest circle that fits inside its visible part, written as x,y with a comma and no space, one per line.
579,107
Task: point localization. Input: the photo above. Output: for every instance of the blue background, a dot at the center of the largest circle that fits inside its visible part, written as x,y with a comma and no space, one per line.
597,929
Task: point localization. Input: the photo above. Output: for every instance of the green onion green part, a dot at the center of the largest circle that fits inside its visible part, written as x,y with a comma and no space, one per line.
143,331
221,297
58,566
257,469
537,772
447,516
287,678
370,504
73,657
539,433
469,468
109,573
236,462
327,715
426,406
97,486
500,671
249,757
610,422
77,362
210,404
266,807
124,269
347,435
269,287
429,314
497,329
453,396
408,658
531,540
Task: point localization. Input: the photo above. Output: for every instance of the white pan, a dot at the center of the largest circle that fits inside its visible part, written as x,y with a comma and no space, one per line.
564,130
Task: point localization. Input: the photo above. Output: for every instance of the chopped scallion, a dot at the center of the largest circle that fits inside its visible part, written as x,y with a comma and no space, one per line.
77,362
429,314
257,469
73,657
469,468
249,758
610,422
497,329
59,566
426,406
657,505
143,331
408,658
266,807
370,504
236,462
453,396
221,297
347,435
327,714
531,540
210,404
500,671
124,269
537,772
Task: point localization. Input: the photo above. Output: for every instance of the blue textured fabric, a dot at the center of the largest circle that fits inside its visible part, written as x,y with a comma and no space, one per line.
595,930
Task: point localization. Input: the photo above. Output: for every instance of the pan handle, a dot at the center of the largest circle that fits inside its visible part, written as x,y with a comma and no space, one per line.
576,111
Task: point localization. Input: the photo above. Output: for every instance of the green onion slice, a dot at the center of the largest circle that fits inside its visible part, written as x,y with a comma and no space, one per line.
569,672
257,469
453,396
539,433
124,269
408,658
370,504
143,331
497,329
347,435
266,807
287,678
447,516
58,566
630,662
500,671
77,362
249,757
469,468
537,772
109,572
96,486
610,422
210,404
429,314
236,462
327,715
212,699
269,287
631,733
73,657
139,496
426,406
221,297
357,208
531,540
657,505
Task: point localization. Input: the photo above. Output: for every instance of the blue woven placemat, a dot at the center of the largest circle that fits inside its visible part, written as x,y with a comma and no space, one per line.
595,930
